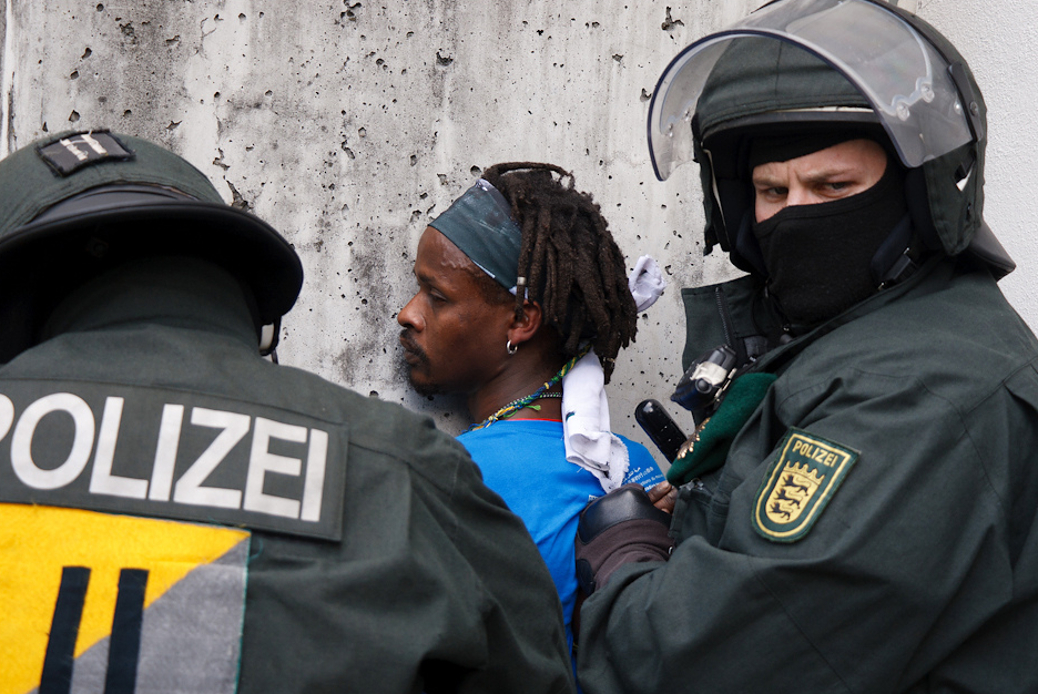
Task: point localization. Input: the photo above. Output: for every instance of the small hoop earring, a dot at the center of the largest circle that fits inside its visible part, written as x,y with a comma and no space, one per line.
512,349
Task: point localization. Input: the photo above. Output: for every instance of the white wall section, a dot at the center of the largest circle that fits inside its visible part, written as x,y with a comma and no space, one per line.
348,124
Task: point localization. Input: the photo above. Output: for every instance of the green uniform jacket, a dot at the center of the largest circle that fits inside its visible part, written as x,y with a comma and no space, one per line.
921,572
433,583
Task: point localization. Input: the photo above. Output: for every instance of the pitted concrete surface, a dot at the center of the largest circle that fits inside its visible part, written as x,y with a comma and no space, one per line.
349,124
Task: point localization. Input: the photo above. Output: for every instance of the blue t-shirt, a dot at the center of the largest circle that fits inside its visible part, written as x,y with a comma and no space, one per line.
524,461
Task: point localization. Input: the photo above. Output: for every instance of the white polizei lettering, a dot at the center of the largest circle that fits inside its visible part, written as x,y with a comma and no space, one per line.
166,452
189,489
6,415
71,146
262,461
313,487
93,144
79,454
102,481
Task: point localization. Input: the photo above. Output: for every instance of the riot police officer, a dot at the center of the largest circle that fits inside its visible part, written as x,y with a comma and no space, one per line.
180,514
858,508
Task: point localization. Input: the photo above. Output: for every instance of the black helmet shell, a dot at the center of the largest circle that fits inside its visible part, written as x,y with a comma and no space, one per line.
763,78
79,203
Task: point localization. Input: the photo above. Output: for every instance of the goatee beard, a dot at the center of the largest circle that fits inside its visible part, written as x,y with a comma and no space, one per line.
422,388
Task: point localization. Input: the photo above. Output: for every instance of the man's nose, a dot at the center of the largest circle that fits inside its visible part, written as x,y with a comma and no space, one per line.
409,316
799,195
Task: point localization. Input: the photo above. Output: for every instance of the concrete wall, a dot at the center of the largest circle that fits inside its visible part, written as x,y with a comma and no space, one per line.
348,124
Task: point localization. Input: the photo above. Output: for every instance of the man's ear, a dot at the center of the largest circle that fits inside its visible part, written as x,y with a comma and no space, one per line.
525,323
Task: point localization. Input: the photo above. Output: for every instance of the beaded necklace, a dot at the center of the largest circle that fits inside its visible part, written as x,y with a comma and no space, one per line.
518,404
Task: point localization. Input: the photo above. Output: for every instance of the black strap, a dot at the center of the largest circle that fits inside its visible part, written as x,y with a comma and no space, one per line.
125,644
64,630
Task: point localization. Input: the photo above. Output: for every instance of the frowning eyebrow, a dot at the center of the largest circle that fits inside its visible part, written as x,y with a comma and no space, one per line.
424,278
764,180
762,176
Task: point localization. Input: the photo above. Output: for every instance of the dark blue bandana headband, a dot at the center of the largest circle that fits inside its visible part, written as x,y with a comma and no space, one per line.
480,224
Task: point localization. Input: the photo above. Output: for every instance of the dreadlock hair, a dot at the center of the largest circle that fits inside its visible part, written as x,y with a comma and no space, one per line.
568,260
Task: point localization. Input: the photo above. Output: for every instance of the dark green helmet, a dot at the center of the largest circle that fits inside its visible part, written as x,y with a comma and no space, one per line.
829,64
77,204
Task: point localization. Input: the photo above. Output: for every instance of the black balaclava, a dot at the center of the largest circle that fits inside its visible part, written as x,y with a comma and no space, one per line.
818,256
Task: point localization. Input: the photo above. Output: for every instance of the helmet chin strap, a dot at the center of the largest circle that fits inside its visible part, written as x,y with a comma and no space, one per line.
270,335
897,257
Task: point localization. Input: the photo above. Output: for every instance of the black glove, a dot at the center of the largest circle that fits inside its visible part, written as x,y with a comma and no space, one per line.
616,529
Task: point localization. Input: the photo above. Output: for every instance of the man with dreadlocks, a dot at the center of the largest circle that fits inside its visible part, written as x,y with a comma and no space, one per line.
523,304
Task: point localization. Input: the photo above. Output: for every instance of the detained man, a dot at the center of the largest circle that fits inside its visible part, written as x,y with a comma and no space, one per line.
523,304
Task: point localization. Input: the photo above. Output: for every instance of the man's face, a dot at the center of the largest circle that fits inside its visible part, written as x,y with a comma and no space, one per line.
453,337
829,174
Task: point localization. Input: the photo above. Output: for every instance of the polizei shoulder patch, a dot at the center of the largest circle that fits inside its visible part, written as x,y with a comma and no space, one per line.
71,153
799,484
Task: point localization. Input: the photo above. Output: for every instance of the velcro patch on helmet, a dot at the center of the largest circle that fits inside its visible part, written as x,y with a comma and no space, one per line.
799,484
73,152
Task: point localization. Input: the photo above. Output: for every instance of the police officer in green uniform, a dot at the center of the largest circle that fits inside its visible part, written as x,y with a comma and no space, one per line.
858,506
181,514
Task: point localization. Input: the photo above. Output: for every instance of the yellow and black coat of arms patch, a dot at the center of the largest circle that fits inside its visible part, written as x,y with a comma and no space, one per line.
799,484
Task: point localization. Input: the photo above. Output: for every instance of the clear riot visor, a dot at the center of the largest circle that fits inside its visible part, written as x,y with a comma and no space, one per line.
907,81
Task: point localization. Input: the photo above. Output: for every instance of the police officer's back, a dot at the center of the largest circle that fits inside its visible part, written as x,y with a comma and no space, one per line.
181,514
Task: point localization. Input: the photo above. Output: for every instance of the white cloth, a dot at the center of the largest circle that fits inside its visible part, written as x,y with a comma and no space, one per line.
590,443
585,423
646,282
